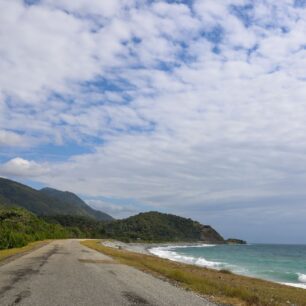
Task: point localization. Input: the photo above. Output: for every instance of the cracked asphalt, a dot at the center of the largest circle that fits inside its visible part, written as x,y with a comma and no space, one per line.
66,273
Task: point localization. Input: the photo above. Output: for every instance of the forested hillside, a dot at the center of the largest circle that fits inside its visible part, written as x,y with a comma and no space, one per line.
61,214
155,226
46,202
70,198
150,226
83,226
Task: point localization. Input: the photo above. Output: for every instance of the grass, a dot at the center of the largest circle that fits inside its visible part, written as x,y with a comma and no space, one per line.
218,286
4,254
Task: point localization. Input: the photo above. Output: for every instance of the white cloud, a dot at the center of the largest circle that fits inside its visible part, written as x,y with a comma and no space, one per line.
11,139
97,8
174,116
19,167
41,50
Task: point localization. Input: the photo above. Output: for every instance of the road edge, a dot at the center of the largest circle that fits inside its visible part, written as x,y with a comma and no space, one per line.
13,254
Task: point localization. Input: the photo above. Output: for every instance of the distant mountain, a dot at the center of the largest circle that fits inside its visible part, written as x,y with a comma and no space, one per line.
155,226
68,210
70,198
46,202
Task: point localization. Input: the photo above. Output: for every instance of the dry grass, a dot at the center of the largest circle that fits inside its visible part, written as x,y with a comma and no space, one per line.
218,286
5,254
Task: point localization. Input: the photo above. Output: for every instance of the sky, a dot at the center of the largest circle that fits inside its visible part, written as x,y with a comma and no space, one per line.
194,107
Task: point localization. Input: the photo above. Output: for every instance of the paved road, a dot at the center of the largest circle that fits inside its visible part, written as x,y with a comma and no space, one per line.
67,273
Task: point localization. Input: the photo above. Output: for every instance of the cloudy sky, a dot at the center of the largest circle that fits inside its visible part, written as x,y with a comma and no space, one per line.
194,107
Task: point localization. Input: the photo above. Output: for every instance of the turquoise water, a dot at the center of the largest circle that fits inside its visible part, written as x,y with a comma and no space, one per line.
279,263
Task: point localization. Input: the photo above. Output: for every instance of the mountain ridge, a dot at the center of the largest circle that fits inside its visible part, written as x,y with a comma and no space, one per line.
14,194
69,197
71,212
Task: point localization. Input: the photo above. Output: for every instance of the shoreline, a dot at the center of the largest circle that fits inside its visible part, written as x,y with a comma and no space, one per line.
143,248
219,286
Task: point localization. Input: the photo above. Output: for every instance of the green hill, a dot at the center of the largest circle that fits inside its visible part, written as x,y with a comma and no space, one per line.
18,227
45,202
155,226
66,210
150,226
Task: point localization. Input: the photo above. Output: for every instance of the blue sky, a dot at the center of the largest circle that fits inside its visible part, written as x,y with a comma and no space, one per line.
190,107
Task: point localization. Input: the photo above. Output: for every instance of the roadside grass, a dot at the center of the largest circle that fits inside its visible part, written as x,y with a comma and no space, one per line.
218,286
5,254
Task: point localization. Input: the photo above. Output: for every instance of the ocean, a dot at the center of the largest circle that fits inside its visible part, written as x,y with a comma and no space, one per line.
284,264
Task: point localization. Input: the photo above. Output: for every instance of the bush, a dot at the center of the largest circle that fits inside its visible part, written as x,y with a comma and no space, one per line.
18,227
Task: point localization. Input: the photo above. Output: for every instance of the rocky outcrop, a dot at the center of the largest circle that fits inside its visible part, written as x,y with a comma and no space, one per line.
209,235
235,241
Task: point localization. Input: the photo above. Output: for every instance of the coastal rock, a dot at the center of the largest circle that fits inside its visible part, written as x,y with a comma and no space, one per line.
235,241
209,235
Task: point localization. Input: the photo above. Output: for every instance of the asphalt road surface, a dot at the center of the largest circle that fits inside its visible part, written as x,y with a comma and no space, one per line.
67,273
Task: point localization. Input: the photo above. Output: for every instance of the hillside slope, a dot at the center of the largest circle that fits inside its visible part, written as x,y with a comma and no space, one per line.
150,226
39,202
68,210
155,226
70,198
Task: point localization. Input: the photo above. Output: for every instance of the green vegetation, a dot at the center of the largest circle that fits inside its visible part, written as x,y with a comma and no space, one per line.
46,201
150,226
82,227
219,286
155,226
63,215
18,227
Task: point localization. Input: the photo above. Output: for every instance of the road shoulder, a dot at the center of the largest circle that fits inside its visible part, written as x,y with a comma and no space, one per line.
9,255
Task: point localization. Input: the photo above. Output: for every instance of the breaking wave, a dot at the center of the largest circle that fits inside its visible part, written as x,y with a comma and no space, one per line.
168,253
302,278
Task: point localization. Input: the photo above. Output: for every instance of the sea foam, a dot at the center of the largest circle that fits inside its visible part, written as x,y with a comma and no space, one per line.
303,286
167,252
254,269
302,277
302,280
